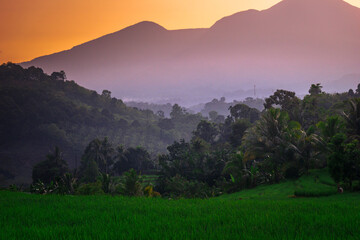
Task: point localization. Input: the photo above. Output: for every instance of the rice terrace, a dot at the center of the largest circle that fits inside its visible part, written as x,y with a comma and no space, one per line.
266,212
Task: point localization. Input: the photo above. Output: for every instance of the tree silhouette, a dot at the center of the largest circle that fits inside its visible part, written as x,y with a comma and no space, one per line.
53,167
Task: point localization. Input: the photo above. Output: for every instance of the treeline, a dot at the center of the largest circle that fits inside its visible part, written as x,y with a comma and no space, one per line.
286,140
101,169
162,110
221,107
40,111
99,135
215,108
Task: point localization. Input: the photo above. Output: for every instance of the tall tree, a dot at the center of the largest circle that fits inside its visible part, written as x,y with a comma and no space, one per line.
238,130
106,93
330,127
287,101
177,112
53,167
99,152
344,159
132,158
352,118
206,131
242,111
315,89
270,140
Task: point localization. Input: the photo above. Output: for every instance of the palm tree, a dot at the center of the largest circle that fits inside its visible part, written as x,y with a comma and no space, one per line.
235,165
54,166
353,118
107,154
271,140
330,127
121,161
307,145
101,152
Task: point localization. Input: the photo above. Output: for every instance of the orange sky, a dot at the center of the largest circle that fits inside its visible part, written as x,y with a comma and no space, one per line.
32,28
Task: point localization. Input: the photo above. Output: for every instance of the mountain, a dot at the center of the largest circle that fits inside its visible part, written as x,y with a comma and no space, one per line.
344,83
290,45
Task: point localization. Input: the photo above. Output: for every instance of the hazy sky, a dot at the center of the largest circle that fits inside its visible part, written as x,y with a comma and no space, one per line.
32,28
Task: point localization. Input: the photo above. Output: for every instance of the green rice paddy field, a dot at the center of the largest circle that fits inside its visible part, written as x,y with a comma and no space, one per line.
266,212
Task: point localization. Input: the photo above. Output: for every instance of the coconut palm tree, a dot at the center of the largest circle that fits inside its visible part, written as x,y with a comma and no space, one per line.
330,127
270,140
54,166
107,154
352,118
235,166
307,145
101,152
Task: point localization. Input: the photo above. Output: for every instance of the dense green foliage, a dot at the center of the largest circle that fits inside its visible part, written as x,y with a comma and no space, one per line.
50,169
226,157
222,155
221,107
286,140
38,112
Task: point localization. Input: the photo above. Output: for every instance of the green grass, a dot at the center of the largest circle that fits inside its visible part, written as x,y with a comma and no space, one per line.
316,183
271,192
25,216
265,212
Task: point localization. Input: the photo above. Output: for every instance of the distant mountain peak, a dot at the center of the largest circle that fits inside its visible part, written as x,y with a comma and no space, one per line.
300,4
145,26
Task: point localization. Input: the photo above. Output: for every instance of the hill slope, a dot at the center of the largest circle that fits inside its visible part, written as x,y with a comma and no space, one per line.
38,111
314,184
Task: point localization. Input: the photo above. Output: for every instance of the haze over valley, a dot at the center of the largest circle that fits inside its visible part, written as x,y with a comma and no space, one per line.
290,45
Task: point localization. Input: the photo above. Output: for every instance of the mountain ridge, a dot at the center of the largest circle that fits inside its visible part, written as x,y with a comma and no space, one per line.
288,45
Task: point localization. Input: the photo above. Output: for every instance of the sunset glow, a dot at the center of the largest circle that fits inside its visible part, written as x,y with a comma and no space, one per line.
34,28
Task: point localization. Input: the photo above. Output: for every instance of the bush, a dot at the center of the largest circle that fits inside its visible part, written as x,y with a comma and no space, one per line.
180,187
90,189
132,183
149,192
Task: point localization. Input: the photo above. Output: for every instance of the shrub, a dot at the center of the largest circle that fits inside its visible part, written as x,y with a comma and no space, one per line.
90,189
180,187
149,192
132,183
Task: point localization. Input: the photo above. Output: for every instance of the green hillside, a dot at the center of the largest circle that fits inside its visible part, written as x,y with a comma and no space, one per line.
38,111
316,183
